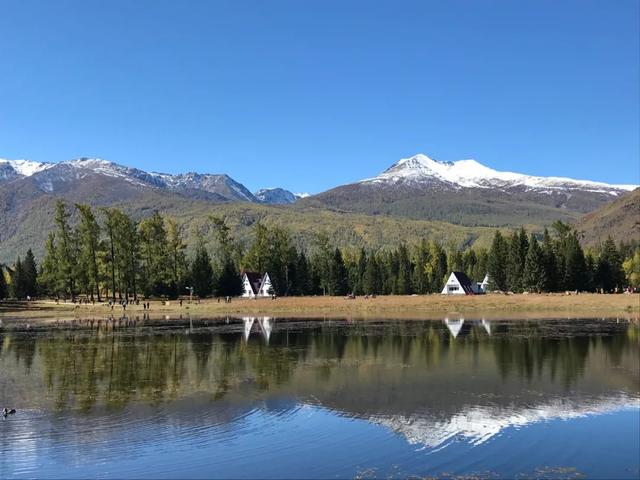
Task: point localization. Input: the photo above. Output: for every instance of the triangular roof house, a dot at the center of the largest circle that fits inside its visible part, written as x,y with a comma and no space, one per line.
459,284
256,285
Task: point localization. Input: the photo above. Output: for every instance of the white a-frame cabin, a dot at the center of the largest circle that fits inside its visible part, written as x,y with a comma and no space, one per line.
459,284
256,285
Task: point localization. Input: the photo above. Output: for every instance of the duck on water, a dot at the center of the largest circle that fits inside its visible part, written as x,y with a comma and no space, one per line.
6,411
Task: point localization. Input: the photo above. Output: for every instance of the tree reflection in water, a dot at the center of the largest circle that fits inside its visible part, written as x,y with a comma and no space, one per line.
363,368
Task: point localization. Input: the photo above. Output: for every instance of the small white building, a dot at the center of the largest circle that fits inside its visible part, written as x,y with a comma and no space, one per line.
483,287
459,284
256,285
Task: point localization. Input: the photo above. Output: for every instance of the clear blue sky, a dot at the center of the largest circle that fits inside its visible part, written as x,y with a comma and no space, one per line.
311,94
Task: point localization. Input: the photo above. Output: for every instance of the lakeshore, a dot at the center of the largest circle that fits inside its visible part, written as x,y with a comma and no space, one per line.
414,306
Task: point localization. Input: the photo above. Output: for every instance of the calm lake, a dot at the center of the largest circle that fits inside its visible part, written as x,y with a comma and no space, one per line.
262,398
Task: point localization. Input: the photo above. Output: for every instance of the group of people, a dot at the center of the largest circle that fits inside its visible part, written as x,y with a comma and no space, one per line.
123,303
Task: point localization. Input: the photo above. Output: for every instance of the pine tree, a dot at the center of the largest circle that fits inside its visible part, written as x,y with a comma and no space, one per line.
89,241
591,267
255,258
201,275
129,245
481,268
65,250
420,279
337,284
550,263
497,263
390,270
155,254
304,286
229,282
574,263
30,274
224,245
518,247
356,268
469,264
49,277
18,280
455,261
371,283
111,227
405,271
609,274
176,248
321,263
533,278
436,267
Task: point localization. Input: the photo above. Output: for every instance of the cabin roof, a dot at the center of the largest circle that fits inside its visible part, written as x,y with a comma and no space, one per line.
255,281
464,282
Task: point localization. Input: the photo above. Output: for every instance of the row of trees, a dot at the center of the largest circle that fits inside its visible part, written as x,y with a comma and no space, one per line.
115,257
109,255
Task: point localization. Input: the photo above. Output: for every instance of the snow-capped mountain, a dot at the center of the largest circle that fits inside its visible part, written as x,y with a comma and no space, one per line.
469,193
471,174
220,184
60,177
463,192
10,169
278,196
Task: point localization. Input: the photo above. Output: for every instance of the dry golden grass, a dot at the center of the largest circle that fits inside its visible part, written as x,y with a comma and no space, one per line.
418,306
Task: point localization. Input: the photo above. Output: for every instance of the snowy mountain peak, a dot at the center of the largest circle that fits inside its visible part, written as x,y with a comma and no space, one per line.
419,161
420,169
276,196
24,168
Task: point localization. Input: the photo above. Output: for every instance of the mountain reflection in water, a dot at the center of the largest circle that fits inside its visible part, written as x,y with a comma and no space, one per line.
432,382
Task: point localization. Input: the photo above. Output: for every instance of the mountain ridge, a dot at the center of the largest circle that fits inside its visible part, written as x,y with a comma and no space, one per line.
472,174
466,192
370,213
207,186
419,168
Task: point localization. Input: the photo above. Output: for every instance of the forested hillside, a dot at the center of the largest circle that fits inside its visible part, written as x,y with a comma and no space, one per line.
105,254
29,227
619,219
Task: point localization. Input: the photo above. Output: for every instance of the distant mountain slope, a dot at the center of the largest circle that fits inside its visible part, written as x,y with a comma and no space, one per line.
620,219
468,193
30,224
278,196
63,177
402,198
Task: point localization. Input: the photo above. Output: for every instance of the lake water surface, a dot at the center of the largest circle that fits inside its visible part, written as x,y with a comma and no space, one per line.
263,397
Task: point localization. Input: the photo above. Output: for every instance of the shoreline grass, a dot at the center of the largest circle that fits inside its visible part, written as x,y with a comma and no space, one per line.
415,306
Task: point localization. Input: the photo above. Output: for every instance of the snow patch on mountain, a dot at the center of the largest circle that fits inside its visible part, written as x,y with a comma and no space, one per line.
276,196
25,168
472,174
